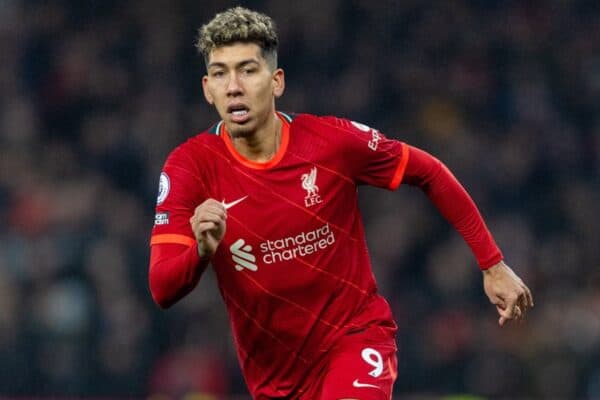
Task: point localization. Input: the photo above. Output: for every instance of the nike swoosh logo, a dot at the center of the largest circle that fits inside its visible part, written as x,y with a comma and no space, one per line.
233,203
357,384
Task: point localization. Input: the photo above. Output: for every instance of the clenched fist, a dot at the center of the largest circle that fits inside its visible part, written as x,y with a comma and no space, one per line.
208,225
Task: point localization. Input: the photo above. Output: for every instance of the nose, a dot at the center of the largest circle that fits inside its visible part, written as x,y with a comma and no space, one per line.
233,86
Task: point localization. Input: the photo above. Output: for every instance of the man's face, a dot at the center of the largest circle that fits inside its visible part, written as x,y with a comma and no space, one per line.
242,87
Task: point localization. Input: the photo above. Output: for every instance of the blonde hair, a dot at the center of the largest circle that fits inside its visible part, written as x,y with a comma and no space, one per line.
239,24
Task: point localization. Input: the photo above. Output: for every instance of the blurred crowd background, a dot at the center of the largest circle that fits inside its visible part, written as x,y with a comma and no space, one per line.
94,95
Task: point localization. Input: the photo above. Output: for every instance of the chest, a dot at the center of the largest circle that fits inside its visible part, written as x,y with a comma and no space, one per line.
282,201
280,220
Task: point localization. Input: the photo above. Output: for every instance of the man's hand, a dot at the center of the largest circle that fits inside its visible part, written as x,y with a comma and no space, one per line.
507,291
208,225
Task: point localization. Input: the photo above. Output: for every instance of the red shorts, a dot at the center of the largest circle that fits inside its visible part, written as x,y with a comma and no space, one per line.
361,366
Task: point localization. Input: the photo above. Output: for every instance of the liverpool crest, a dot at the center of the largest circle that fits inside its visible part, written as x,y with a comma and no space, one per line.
309,183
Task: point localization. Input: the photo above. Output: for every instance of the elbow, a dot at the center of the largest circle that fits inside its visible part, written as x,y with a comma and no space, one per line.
171,278
162,301
164,304
159,293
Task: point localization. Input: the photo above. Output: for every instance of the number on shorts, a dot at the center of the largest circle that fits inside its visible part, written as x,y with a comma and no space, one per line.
374,359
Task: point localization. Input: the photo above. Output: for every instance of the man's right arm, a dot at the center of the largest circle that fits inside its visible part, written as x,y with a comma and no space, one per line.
175,270
176,264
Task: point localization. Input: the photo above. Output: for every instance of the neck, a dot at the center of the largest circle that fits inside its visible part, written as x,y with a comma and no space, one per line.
262,144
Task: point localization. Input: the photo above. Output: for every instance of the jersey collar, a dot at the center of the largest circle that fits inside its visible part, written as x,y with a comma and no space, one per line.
285,138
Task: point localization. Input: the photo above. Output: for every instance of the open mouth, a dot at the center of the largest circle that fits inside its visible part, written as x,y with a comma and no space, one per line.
238,111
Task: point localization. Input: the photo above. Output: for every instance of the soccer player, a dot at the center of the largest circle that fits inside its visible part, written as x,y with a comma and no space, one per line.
270,200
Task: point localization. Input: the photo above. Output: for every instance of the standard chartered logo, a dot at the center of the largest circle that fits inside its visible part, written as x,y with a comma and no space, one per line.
242,255
284,249
300,245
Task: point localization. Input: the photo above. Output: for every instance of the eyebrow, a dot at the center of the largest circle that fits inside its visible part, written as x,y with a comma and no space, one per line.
238,65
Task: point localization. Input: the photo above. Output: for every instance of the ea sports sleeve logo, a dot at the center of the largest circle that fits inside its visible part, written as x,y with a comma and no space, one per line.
163,188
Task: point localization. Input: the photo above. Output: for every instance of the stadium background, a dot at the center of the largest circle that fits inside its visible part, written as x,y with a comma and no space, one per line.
94,94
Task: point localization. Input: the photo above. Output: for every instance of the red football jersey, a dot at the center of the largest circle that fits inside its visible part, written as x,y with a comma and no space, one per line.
293,267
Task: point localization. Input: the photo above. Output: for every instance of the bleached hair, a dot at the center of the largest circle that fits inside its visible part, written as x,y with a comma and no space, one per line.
239,24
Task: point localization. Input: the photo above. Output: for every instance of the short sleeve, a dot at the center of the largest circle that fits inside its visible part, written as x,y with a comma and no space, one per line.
369,156
180,191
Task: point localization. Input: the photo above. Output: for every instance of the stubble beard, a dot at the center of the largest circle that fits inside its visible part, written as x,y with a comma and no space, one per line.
241,131
248,128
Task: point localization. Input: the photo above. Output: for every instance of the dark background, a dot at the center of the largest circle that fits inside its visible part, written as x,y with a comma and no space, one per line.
94,95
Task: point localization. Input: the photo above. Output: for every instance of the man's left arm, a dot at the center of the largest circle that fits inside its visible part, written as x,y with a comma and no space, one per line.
503,287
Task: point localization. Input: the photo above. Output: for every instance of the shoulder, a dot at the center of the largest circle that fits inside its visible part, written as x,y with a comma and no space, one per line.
328,122
315,123
305,118
332,127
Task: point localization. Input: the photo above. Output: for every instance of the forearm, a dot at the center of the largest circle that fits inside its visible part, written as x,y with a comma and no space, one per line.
454,203
174,271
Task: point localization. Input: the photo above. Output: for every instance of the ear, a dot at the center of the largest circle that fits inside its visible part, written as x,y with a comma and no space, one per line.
278,82
207,94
